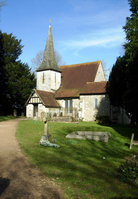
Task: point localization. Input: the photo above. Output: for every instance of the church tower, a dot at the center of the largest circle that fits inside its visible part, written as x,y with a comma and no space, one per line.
48,73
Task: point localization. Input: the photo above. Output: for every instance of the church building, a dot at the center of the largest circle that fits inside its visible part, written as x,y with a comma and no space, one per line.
72,90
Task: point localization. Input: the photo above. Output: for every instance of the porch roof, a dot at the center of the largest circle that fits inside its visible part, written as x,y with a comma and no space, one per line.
47,98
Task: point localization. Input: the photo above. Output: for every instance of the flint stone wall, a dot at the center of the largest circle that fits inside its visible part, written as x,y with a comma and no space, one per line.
100,74
90,112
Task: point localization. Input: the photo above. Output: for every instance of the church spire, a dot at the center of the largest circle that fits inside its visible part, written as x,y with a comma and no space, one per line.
49,61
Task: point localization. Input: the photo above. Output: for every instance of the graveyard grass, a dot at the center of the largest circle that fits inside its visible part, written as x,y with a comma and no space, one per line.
83,168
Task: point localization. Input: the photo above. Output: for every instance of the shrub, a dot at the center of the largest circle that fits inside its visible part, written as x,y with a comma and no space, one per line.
103,119
129,170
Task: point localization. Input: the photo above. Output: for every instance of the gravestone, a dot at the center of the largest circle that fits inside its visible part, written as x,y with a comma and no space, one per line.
46,135
103,136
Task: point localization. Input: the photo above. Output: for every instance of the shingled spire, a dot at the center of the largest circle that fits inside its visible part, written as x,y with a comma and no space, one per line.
49,61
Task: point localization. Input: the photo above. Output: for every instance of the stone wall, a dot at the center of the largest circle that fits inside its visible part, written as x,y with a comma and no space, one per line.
29,111
85,106
90,111
100,74
48,80
41,108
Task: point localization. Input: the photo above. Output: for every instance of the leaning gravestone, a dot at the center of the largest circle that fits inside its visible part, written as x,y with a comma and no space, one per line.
90,135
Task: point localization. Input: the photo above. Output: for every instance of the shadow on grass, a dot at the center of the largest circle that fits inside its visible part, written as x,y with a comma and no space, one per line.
89,165
86,164
4,183
123,129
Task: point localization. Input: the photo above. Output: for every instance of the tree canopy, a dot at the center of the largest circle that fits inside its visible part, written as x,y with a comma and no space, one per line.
16,79
123,84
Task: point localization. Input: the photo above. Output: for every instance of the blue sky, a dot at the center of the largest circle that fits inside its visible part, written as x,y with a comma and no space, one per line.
83,30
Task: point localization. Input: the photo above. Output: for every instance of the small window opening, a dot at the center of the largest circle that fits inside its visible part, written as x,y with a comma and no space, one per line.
69,105
96,103
43,79
55,78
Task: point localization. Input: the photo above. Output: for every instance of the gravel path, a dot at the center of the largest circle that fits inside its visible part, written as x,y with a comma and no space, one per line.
19,179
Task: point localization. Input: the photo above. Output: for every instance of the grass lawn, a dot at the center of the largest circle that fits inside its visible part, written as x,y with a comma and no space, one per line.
83,168
3,118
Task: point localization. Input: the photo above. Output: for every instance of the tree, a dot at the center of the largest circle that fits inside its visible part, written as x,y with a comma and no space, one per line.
106,70
131,53
126,86
2,3
20,84
36,61
116,85
19,81
3,79
12,48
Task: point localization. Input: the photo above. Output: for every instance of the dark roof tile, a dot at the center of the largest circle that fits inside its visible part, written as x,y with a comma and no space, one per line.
94,88
47,98
74,77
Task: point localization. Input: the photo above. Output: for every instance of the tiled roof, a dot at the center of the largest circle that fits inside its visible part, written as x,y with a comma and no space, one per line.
74,78
47,98
94,88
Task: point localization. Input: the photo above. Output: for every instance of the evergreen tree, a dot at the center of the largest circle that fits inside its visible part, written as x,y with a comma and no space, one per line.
18,79
124,84
117,82
12,48
131,51
3,79
20,84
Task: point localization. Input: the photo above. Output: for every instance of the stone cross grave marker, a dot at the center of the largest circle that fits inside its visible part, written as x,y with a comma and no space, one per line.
46,134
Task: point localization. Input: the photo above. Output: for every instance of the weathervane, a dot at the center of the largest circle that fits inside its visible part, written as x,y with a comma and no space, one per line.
50,21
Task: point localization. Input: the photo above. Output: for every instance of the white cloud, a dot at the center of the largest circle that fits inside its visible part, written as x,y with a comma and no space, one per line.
107,38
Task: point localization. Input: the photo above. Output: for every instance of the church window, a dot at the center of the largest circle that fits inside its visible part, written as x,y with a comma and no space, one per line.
96,103
66,103
55,78
43,80
69,105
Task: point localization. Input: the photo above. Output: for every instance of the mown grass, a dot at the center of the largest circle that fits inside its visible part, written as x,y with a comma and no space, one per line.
83,168
3,118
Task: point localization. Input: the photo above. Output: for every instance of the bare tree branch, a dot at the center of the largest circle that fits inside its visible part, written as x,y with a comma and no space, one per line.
106,70
37,60
2,3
